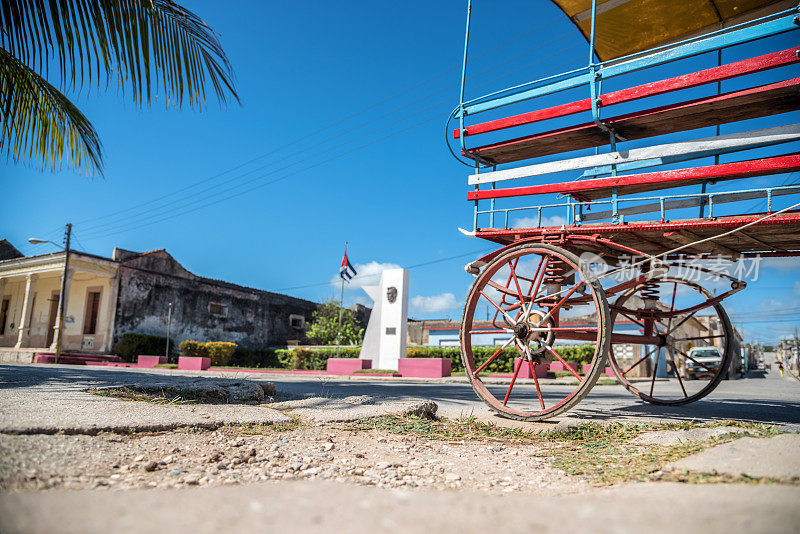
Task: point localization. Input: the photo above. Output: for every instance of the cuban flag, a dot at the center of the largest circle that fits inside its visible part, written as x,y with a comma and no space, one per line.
347,271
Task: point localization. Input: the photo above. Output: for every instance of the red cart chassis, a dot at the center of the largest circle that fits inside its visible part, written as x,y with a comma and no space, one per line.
615,261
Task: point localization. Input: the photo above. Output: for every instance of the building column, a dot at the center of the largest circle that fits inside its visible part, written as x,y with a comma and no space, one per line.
2,287
65,296
24,320
111,311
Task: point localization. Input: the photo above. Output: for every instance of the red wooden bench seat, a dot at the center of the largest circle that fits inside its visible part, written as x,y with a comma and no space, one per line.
652,181
734,106
694,79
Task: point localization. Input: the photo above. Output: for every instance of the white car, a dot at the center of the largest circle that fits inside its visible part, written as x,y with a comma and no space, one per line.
703,361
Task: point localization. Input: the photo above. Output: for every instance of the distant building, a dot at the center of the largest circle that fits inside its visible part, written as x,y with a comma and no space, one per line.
131,292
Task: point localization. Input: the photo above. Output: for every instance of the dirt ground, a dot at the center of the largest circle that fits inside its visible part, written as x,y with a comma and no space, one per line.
235,455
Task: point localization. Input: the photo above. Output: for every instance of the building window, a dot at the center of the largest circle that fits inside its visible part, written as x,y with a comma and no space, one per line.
92,311
297,321
217,310
4,315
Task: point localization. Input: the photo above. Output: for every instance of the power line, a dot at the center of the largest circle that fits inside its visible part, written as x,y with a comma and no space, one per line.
326,127
410,267
113,231
187,199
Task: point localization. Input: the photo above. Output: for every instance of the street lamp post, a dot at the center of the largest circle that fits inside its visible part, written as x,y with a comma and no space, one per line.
169,323
61,296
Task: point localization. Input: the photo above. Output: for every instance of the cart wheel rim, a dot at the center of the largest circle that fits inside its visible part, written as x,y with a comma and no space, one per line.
677,347
527,314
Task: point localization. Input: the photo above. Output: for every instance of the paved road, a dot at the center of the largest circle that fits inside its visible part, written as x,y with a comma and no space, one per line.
766,398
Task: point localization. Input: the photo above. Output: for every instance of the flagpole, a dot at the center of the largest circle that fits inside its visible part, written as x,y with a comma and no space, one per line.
341,303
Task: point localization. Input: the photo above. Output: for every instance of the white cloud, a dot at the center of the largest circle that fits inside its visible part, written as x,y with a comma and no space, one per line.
532,222
435,304
783,264
367,274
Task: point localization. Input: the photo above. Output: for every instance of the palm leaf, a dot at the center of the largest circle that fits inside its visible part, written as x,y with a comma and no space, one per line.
40,126
149,46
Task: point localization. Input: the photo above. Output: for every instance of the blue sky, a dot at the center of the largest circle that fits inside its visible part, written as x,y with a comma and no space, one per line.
258,196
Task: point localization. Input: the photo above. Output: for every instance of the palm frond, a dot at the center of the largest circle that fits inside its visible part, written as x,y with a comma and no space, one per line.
151,47
40,126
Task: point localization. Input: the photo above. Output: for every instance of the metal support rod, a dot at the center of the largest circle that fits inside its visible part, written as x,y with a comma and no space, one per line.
169,324
592,32
464,62
491,203
717,132
703,188
461,111
61,298
464,82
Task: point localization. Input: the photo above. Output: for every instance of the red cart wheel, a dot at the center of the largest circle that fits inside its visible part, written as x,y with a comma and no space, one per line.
694,346
533,296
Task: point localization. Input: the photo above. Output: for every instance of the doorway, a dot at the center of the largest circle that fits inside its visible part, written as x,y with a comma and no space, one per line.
51,320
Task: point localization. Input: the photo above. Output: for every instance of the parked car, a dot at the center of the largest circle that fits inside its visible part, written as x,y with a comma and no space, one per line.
703,361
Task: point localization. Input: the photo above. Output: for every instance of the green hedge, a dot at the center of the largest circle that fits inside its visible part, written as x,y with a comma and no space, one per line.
295,358
132,345
503,363
316,359
219,352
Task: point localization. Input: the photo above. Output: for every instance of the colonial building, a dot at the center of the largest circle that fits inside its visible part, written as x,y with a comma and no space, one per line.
132,292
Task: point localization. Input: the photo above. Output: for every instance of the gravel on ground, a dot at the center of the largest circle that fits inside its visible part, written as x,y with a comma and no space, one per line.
236,455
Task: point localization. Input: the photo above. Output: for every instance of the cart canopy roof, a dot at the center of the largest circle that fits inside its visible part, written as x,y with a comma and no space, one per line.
628,26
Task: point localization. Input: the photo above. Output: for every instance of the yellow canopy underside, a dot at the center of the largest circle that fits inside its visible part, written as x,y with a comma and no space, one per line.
627,26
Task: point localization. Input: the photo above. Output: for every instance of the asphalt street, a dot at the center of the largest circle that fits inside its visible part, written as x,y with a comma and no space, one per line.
765,397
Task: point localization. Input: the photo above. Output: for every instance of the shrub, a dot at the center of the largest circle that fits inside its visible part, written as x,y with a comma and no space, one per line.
132,345
193,349
314,359
220,351
325,330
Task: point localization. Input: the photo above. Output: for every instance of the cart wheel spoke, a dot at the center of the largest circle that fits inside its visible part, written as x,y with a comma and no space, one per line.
536,383
706,330
655,369
643,358
536,323
493,356
513,379
565,364
516,281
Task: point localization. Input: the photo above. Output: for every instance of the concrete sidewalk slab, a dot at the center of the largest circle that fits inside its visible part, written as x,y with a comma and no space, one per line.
76,412
777,457
668,438
329,410
61,404
325,507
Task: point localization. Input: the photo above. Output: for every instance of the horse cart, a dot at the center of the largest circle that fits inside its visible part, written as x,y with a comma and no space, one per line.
656,211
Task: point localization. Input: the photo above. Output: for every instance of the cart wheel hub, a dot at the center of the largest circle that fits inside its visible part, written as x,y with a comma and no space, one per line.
521,331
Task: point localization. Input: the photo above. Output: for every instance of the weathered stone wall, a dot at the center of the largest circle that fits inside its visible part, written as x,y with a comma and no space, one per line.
249,317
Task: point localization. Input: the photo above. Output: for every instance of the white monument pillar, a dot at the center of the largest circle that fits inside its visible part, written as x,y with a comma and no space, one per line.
385,338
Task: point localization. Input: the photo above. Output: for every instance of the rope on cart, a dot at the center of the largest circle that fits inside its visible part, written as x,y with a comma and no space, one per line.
704,240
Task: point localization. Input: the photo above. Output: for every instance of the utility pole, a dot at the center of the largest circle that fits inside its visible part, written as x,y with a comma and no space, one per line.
169,321
62,297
